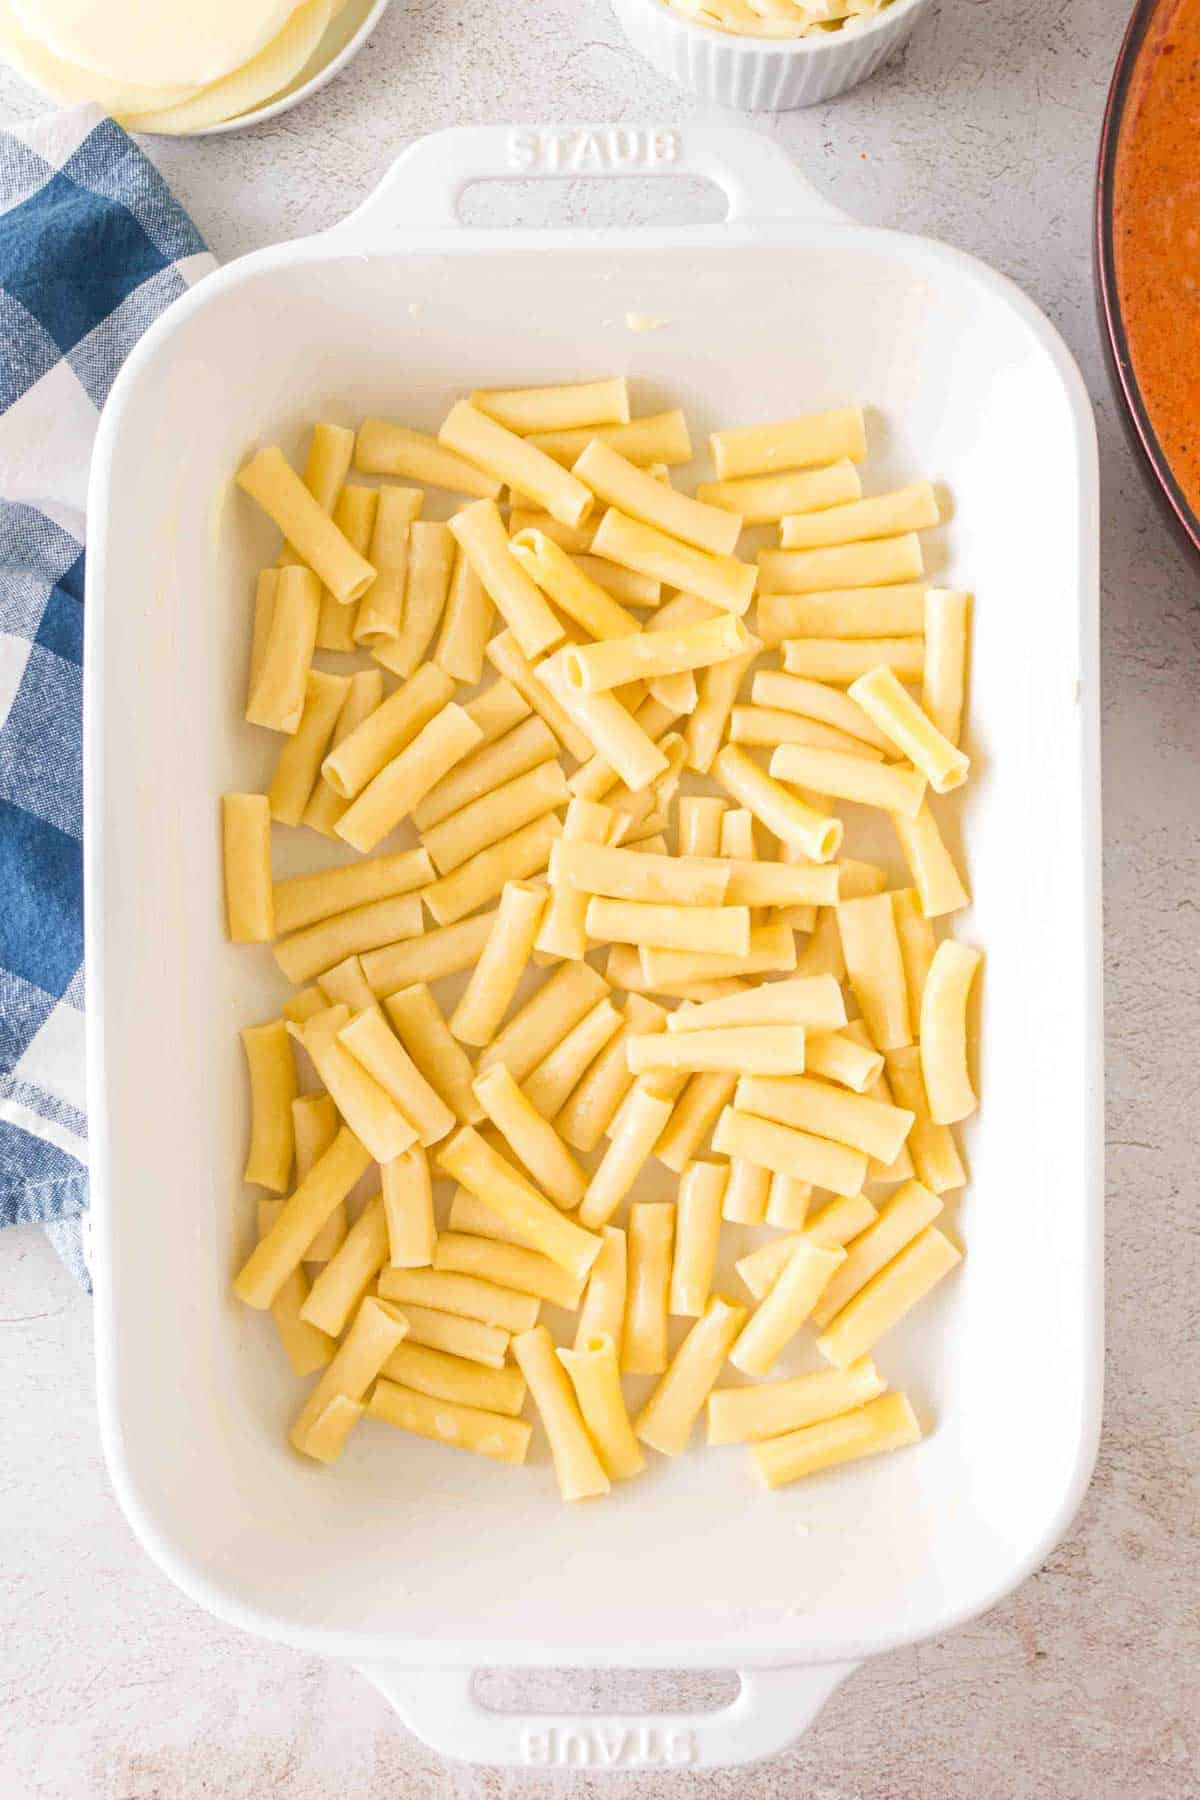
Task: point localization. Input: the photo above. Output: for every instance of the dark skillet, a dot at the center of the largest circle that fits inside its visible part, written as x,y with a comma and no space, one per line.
1147,448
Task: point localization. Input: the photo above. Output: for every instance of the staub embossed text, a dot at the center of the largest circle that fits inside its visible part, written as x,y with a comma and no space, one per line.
611,149
609,1746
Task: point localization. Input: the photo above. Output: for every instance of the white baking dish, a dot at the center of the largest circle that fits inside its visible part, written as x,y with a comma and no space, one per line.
420,1565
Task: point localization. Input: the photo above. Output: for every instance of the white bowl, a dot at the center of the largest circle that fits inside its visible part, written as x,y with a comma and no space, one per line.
763,74
345,37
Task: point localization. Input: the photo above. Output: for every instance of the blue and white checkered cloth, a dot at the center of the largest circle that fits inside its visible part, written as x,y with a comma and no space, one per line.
93,247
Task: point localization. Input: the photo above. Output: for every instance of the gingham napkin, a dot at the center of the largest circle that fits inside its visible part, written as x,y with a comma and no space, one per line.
93,247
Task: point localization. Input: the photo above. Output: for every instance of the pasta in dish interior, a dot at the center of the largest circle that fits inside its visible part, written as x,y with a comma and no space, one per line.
590,769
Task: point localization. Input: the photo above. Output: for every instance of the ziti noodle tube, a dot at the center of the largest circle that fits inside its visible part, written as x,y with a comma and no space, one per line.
270,480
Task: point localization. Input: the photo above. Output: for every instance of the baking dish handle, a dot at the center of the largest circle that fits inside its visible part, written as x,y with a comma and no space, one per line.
425,184
773,1707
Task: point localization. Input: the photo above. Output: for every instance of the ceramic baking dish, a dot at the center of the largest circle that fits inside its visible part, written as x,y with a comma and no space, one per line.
416,1564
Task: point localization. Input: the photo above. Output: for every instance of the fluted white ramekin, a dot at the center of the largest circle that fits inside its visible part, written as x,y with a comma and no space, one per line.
763,74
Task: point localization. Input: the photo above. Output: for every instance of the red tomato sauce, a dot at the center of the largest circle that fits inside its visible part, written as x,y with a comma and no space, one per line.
1156,233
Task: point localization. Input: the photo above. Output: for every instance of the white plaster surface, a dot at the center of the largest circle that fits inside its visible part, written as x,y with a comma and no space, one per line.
1083,1683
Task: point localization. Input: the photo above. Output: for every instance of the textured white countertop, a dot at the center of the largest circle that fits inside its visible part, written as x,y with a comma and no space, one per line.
1081,1683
